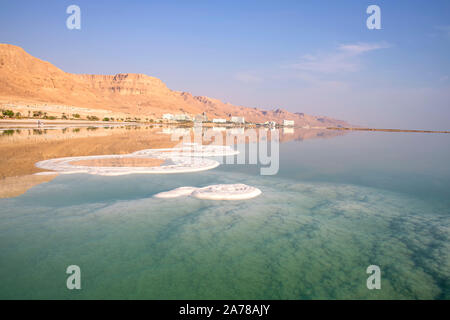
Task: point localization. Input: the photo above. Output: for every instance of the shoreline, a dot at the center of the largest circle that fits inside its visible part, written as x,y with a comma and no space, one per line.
389,130
46,123
33,123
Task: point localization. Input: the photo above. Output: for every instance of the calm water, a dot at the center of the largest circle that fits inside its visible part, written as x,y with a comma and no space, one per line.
336,206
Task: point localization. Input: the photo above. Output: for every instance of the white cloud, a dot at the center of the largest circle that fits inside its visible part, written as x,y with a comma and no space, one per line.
341,60
359,48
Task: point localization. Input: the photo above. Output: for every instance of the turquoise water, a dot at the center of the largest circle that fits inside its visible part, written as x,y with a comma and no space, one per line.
336,206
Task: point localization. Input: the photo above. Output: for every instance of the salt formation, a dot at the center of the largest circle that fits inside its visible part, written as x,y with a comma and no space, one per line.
175,193
191,150
227,192
188,158
180,164
214,192
46,173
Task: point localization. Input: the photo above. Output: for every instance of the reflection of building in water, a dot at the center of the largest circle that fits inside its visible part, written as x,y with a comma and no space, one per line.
288,130
179,131
288,123
237,131
167,130
219,120
168,116
182,131
219,128
240,120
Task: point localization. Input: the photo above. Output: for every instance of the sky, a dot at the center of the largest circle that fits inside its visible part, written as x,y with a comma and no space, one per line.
316,57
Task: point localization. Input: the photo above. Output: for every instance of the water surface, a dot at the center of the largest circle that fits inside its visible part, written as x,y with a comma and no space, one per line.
337,205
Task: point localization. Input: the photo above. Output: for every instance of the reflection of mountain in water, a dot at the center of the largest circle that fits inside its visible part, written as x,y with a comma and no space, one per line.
305,134
252,135
22,148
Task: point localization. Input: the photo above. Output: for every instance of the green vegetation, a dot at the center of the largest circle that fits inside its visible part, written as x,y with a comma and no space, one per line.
105,119
37,114
8,132
93,118
76,116
8,113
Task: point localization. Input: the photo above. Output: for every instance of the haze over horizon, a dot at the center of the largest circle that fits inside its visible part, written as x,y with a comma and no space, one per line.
300,56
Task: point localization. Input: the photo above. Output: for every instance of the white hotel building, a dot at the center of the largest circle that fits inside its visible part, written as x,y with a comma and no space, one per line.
288,123
238,120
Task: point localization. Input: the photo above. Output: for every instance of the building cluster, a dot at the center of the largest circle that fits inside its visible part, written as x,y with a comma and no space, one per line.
273,124
235,120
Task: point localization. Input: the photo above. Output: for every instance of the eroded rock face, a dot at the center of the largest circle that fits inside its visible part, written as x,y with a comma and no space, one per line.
124,84
25,78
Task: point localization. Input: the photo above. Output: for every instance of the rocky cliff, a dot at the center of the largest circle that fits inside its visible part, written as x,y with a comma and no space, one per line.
25,78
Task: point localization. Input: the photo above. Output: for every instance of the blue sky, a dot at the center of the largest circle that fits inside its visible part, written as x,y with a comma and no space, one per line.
316,57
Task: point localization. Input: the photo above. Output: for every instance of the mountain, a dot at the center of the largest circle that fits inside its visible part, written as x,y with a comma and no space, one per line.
26,79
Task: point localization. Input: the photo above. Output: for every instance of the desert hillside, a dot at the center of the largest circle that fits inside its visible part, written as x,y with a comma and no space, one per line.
25,79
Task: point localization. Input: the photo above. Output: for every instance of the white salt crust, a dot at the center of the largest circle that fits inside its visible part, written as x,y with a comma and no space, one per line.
175,193
214,192
46,173
191,150
188,158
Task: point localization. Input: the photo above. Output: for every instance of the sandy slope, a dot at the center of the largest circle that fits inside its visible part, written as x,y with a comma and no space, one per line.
26,80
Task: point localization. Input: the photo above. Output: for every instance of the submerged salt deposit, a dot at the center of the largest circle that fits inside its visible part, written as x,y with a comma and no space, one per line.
188,158
175,193
214,192
302,240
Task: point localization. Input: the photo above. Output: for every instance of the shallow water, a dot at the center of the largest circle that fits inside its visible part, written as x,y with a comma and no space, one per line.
335,207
